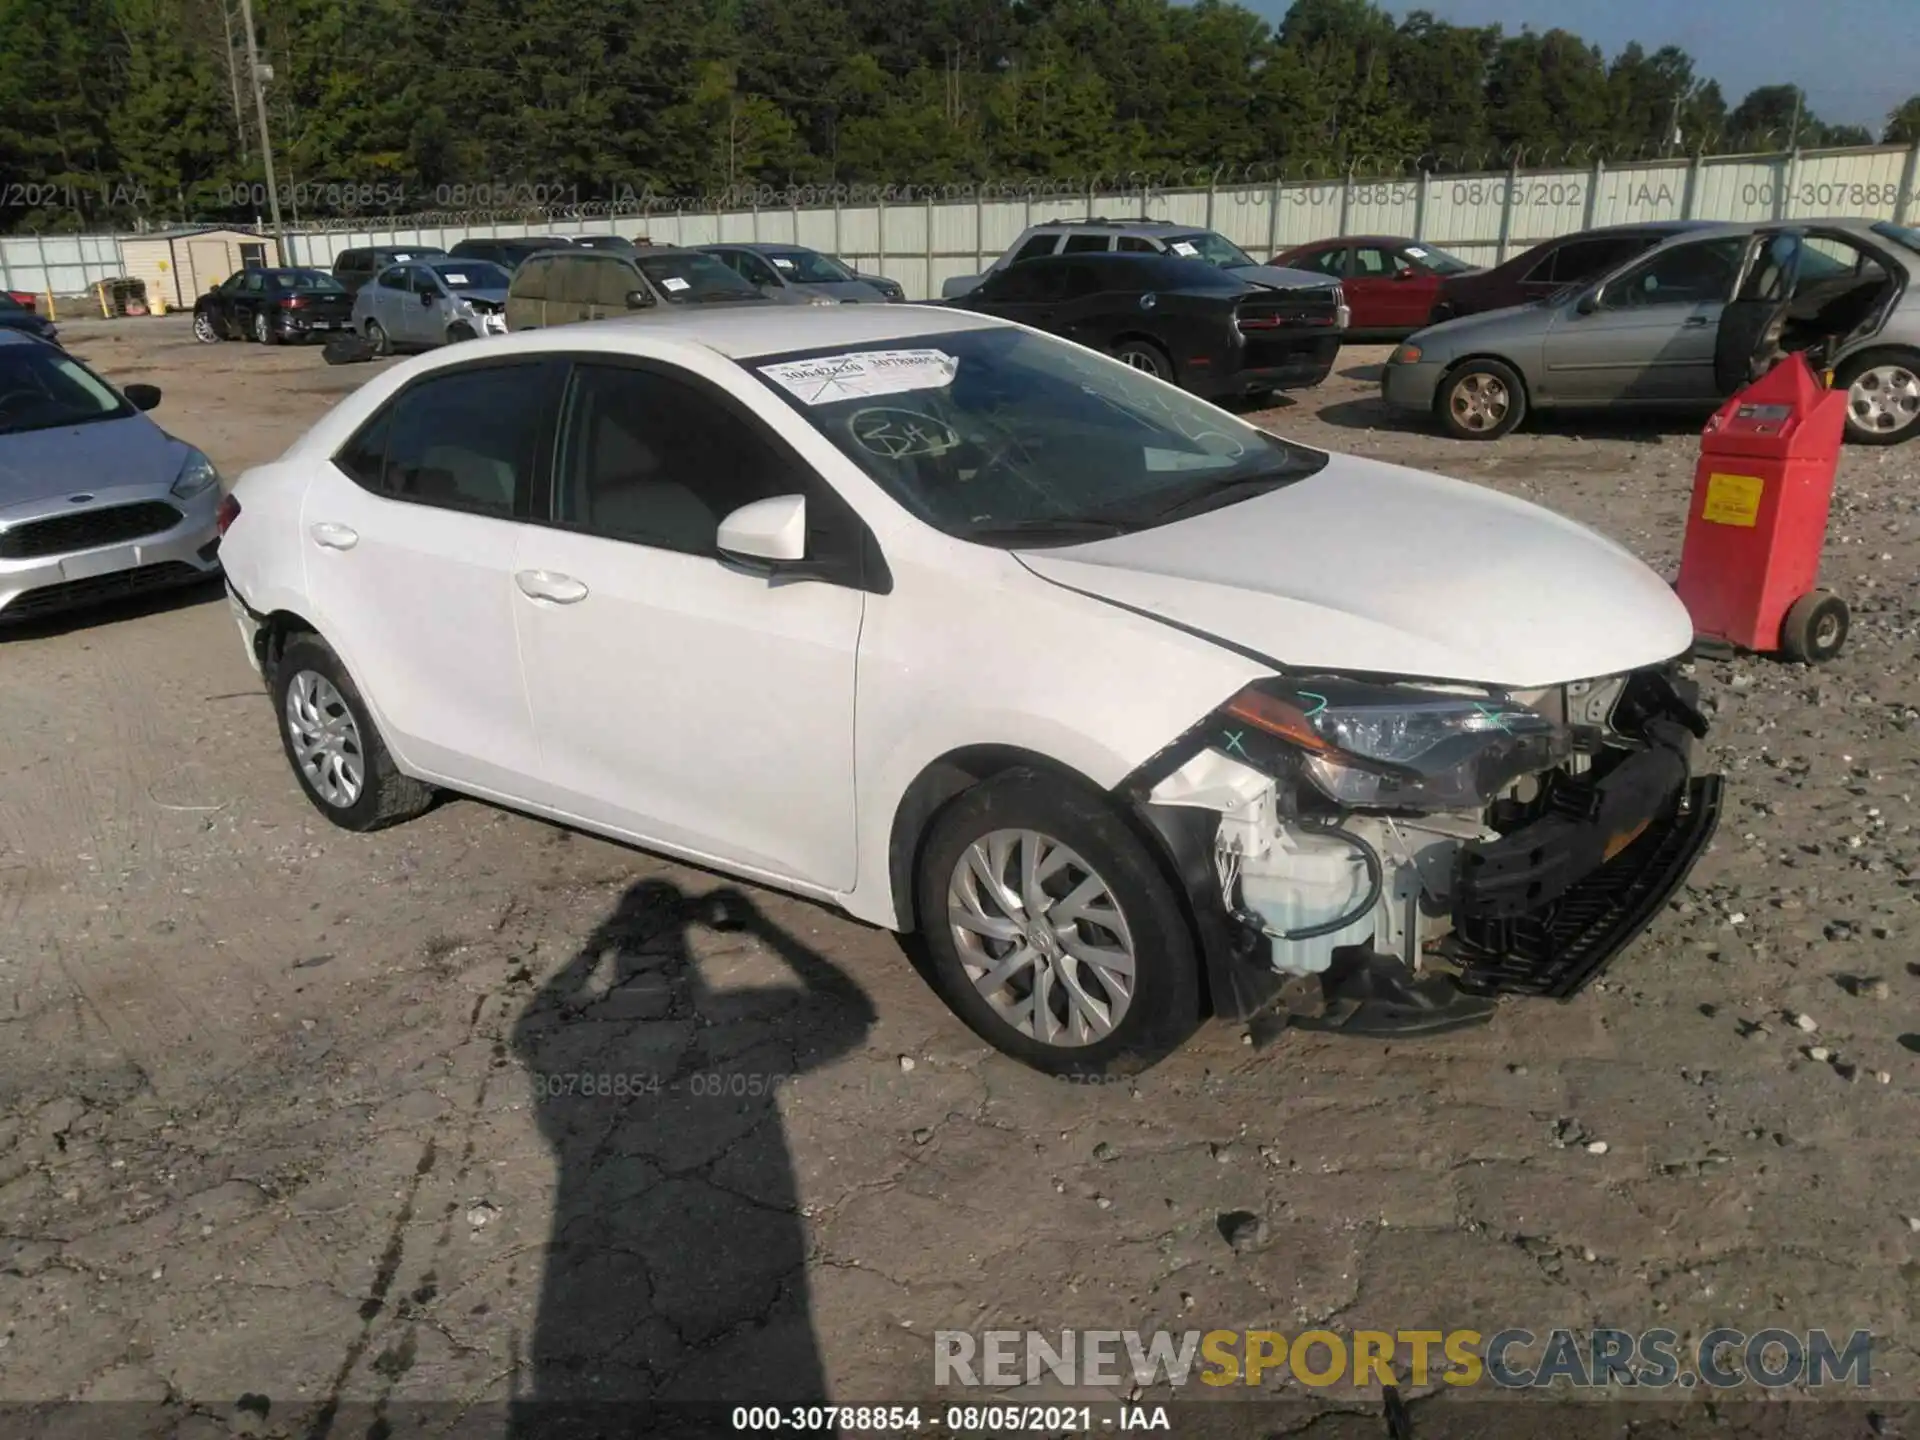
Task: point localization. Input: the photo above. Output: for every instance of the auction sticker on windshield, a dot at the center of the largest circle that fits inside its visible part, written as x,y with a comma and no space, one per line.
675,283
862,375
1184,247
453,278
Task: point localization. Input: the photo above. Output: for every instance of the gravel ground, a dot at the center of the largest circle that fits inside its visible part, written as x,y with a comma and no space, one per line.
270,1109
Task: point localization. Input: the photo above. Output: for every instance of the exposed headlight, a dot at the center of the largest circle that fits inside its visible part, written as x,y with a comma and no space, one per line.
821,300
195,476
1388,747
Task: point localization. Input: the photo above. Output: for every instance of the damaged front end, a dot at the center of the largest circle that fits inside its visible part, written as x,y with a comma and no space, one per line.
1422,849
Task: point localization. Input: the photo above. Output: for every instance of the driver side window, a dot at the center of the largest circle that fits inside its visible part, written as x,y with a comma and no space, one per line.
1682,275
756,271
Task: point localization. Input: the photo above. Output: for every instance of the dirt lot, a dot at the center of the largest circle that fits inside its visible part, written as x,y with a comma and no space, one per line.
271,1126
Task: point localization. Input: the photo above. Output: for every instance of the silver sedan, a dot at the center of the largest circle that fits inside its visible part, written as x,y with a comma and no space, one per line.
1685,325
96,501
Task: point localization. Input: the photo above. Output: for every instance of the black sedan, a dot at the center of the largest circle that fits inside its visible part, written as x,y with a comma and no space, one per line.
272,305
1205,329
15,316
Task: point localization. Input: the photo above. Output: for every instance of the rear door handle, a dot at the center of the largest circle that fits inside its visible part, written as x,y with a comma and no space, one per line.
1698,322
549,585
334,537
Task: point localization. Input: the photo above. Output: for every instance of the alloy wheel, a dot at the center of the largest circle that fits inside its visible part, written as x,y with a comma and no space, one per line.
326,739
261,330
203,330
1479,401
1143,360
1884,400
1041,937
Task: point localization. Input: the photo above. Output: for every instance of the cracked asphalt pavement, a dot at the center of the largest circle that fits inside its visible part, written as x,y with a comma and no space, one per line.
294,1121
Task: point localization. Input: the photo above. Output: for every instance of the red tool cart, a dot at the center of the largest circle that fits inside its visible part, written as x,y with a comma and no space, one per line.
1759,518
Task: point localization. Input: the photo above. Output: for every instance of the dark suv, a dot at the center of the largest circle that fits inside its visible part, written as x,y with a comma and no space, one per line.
1551,267
353,268
509,251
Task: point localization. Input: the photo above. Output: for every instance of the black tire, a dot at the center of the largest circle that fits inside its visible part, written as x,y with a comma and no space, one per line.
1480,400
204,328
459,331
378,339
385,797
1163,1008
1879,363
1815,629
263,329
1146,357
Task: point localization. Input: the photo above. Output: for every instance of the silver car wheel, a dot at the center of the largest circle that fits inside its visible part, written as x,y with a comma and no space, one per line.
1884,400
1041,937
203,330
1479,401
325,739
261,329
1143,360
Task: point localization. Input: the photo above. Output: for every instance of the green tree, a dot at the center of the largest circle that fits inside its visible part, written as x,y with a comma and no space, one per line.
1903,123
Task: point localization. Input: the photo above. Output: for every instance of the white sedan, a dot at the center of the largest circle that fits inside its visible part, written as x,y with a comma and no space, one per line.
1130,709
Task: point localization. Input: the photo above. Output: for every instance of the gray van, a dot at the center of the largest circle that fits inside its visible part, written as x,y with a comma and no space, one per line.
561,287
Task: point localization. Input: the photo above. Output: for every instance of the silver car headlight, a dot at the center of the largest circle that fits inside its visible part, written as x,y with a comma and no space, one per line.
1388,747
197,473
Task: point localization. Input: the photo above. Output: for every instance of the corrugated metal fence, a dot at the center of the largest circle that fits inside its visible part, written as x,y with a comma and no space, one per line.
925,240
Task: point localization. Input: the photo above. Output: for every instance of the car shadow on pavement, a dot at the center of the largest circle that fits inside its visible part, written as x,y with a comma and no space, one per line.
1642,427
676,1269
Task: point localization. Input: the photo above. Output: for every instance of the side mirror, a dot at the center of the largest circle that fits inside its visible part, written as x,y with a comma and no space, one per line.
142,397
639,300
774,529
1405,274
427,297
1587,303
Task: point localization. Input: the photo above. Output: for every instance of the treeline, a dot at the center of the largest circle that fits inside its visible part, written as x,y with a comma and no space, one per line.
112,110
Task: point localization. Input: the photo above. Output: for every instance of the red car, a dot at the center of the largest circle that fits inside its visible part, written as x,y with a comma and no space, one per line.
1391,282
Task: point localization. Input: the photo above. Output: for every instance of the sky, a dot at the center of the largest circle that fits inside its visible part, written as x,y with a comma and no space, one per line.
1856,59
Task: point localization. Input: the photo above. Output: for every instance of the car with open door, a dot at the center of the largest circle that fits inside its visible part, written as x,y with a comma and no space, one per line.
272,305
1684,326
1130,709
1391,282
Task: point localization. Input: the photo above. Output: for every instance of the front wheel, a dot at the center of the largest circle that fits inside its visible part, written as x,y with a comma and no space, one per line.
1052,931
459,331
377,338
1883,399
332,743
204,330
1482,400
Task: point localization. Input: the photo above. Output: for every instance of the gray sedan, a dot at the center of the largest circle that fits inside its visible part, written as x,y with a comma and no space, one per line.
793,270
1685,325
435,301
96,500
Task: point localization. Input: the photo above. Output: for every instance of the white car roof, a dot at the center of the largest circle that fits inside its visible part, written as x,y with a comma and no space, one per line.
753,330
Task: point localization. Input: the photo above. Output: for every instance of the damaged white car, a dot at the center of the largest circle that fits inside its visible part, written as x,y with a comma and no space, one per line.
1129,709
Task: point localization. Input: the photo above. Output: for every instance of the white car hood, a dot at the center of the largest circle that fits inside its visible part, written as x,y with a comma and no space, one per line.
1367,568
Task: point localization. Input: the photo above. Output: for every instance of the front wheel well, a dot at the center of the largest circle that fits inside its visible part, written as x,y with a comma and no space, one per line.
1869,355
1453,367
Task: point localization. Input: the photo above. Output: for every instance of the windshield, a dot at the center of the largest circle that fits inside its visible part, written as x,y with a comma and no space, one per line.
687,277
471,275
806,267
1207,246
1906,235
1439,261
40,388
305,280
1012,438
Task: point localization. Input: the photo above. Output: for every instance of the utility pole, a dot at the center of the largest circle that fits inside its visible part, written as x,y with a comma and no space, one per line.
260,109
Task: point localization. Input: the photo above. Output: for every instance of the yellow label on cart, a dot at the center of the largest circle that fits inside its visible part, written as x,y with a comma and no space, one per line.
1733,499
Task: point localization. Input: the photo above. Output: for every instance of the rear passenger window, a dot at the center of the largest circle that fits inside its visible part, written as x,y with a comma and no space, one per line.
464,440
614,278
1135,243
530,281
1587,259
1082,244
660,462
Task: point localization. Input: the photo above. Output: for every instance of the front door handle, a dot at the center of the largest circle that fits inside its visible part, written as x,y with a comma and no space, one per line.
334,537
549,585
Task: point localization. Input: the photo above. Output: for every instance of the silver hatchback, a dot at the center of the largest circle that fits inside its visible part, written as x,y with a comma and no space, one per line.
1685,325
433,301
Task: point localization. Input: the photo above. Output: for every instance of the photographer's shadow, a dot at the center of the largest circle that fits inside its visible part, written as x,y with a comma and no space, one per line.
677,1266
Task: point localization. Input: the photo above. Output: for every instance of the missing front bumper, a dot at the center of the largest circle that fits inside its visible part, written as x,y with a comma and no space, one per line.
1556,947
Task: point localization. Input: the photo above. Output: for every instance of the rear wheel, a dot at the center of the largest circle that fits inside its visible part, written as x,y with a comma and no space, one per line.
263,328
1146,357
332,743
1052,931
1481,400
1883,398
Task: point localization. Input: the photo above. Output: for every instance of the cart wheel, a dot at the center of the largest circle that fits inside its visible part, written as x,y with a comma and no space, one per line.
1815,628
